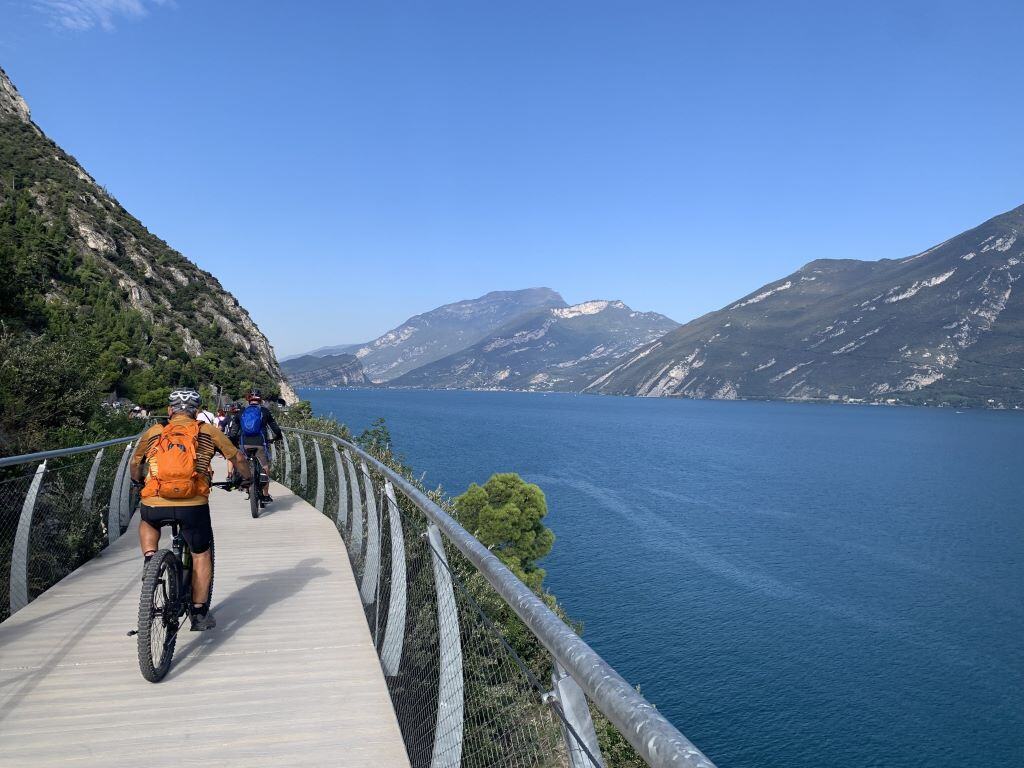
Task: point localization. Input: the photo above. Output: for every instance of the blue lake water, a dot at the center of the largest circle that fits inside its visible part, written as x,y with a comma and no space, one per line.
792,585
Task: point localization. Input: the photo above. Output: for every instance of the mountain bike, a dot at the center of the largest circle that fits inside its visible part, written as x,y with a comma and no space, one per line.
165,601
256,498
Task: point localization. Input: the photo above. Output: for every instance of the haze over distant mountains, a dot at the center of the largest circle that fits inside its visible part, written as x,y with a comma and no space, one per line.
940,327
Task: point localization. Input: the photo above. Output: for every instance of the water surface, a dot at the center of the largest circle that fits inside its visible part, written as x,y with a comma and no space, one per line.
792,585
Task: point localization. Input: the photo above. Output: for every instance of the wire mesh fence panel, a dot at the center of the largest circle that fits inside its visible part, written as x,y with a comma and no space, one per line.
461,696
53,518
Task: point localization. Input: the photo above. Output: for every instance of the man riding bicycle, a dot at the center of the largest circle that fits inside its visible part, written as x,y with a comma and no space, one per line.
177,488
249,432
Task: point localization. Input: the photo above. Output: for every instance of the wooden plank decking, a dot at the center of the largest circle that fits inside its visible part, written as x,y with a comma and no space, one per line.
288,678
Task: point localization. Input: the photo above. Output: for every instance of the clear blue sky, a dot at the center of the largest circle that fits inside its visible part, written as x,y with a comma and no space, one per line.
343,165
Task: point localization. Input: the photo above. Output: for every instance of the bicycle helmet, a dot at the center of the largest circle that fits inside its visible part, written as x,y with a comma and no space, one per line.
184,400
254,396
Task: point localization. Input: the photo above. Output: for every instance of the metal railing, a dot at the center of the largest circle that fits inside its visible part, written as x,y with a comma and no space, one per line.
57,510
464,643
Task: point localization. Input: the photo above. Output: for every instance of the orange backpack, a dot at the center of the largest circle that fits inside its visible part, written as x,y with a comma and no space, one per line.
172,463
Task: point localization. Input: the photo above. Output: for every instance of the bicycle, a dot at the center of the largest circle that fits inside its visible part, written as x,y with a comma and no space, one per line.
256,499
165,600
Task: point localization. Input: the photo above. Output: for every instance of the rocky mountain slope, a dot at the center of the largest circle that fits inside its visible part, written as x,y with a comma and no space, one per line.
326,371
76,263
432,335
943,326
557,349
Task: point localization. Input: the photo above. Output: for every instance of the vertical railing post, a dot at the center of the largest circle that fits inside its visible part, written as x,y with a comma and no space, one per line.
357,508
18,596
302,462
320,489
125,499
287,480
394,633
450,705
371,569
90,483
574,706
342,514
114,509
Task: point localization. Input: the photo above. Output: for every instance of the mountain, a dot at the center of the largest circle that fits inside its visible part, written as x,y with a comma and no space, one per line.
338,349
80,270
557,349
428,337
326,371
941,327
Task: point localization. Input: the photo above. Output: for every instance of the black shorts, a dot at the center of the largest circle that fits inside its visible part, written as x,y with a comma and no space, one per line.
195,523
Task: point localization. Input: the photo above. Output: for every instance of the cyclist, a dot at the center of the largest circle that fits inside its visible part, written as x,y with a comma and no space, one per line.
249,430
177,488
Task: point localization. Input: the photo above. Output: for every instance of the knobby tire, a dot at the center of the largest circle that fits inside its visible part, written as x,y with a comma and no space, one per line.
158,615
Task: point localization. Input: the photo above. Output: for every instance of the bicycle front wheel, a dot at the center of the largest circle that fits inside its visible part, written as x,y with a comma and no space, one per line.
158,615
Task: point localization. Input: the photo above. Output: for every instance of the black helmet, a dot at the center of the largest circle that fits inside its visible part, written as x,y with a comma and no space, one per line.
254,395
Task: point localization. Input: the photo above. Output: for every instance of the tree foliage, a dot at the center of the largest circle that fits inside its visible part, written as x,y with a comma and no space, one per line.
506,513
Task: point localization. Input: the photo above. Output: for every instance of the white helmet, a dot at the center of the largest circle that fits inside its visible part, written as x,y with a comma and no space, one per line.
181,399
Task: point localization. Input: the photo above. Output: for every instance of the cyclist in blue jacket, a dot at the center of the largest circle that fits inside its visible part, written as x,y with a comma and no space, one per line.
250,428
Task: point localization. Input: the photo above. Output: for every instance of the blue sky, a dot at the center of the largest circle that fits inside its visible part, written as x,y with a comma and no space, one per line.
340,166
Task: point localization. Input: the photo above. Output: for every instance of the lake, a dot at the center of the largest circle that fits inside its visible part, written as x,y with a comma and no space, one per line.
792,585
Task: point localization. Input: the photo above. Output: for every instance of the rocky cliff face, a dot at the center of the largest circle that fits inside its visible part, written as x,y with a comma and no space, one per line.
942,326
326,371
87,253
557,349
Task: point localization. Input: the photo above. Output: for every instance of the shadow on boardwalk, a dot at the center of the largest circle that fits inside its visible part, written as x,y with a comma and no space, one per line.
242,606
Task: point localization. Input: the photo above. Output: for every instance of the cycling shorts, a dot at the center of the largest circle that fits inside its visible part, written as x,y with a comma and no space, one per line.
261,454
196,528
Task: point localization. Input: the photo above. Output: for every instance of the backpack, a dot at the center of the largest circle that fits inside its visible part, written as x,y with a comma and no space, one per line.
252,421
172,463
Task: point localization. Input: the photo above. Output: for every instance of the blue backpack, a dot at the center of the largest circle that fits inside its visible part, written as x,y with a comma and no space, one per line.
252,421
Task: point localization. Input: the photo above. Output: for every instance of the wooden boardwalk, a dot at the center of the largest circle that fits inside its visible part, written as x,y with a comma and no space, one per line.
288,678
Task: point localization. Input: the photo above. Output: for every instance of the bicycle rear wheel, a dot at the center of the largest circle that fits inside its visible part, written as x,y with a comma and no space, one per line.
255,489
159,607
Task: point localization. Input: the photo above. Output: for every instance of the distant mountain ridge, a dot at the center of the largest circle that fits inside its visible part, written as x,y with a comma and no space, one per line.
432,335
326,371
942,326
557,349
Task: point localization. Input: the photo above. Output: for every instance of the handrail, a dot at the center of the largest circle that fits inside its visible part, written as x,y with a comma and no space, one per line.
658,741
57,453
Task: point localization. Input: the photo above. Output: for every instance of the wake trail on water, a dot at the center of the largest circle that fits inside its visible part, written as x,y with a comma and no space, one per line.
660,534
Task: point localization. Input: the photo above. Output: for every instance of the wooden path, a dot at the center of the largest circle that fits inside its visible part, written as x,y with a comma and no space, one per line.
289,677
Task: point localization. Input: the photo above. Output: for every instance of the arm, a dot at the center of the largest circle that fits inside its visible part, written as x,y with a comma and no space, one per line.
232,454
141,449
268,417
